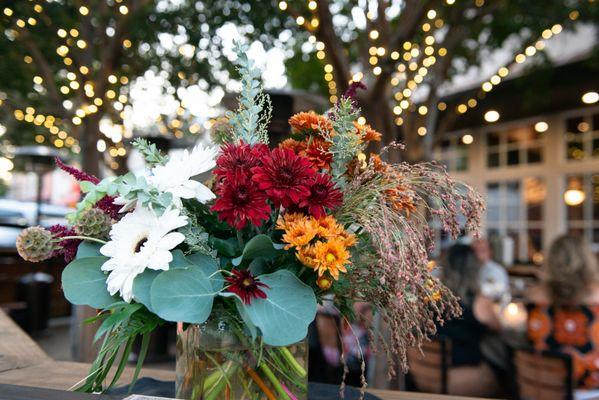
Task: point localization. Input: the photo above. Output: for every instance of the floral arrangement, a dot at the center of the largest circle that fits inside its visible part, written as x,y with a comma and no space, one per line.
272,233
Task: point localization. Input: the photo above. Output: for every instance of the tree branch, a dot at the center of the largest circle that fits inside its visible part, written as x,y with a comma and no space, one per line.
334,46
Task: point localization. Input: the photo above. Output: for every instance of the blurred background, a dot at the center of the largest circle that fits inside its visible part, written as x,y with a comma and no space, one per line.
503,93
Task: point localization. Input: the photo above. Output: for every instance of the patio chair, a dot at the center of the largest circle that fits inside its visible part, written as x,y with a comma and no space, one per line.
543,375
428,370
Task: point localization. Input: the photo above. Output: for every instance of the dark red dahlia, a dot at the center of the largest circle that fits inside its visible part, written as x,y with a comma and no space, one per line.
285,177
239,201
245,285
323,194
67,248
239,157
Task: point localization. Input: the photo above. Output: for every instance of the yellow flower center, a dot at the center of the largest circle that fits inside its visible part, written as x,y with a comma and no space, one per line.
247,282
330,257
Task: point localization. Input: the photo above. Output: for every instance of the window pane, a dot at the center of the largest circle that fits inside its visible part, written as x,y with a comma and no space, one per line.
595,196
575,150
534,197
461,163
493,202
534,155
573,125
493,160
513,157
535,242
512,201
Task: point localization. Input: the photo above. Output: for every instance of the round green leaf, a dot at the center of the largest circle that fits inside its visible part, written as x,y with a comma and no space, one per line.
210,267
84,283
142,285
182,295
260,246
88,249
290,306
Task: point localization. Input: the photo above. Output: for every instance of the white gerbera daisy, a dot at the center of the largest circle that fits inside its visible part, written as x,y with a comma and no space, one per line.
140,240
175,176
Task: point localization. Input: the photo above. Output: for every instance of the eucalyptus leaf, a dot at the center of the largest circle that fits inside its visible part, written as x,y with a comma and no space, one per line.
210,267
290,306
179,260
88,249
182,295
260,246
84,283
142,285
228,247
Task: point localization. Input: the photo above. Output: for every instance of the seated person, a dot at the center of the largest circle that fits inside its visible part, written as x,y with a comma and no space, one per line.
470,374
563,314
492,278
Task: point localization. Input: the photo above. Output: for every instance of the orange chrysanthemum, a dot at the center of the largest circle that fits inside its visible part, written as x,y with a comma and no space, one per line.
332,257
300,233
295,145
367,133
318,153
307,257
311,122
328,227
289,219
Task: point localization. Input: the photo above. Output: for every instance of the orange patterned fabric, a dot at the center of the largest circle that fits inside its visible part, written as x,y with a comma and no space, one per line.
570,330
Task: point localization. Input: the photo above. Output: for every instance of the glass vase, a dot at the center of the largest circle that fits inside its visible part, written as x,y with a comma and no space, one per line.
218,360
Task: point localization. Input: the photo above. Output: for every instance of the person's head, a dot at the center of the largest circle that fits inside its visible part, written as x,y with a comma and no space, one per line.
482,249
570,268
460,271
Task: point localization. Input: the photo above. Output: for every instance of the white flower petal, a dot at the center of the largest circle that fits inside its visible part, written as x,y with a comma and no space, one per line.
140,240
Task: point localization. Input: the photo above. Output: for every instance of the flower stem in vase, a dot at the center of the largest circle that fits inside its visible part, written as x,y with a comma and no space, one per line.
273,380
260,383
292,361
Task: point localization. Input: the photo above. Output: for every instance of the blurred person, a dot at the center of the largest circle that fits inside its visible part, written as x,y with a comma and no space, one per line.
470,373
493,278
563,309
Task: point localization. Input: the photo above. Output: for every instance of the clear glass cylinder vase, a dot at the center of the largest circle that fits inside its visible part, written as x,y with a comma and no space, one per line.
218,360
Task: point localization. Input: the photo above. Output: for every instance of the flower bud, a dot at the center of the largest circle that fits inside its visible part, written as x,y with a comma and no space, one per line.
93,223
35,244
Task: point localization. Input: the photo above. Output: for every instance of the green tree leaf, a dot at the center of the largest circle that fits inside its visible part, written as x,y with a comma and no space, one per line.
290,306
260,246
182,294
84,283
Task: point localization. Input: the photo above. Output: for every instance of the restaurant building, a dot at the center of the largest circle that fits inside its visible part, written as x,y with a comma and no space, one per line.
531,148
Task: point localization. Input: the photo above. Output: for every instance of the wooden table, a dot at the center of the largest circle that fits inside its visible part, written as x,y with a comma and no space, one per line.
24,363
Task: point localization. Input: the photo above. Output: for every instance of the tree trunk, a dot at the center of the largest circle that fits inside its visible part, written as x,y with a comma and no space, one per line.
82,334
90,156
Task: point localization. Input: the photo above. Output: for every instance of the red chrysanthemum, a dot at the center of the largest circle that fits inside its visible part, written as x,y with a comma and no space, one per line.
285,177
245,285
323,194
239,157
240,201
66,248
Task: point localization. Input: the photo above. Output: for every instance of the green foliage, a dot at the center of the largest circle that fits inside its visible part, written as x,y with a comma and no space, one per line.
129,187
150,152
259,246
250,122
345,145
142,285
88,249
290,306
196,237
184,294
121,325
84,283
